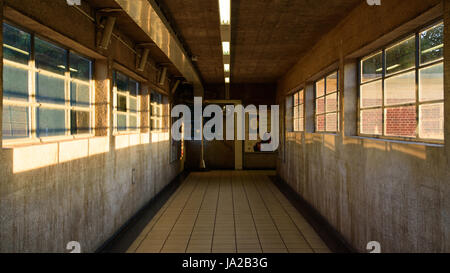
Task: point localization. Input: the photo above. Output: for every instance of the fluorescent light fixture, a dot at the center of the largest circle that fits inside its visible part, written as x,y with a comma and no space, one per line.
226,48
433,48
225,11
227,68
392,67
379,70
227,80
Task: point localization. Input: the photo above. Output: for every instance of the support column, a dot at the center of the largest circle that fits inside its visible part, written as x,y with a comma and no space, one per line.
102,98
447,79
1,77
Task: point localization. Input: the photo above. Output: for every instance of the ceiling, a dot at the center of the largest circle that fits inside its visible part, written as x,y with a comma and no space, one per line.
268,36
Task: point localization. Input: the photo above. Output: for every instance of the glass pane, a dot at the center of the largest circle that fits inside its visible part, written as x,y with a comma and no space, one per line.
301,125
331,122
431,121
16,44
432,44
156,98
121,103
79,122
296,125
320,123
50,57
400,89
121,122
300,111
332,103
296,112
431,83
79,94
372,68
320,88
133,123
401,56
371,122
296,99
121,82
400,121
133,88
371,94
332,82
133,105
15,83
301,97
15,122
50,89
80,68
50,122
320,106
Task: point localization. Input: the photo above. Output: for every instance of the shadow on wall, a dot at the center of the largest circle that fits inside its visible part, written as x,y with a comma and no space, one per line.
83,199
373,190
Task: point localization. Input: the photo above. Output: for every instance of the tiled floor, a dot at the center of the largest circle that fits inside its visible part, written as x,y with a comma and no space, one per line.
228,212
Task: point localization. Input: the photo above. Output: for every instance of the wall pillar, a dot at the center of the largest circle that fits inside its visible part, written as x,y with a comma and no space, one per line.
1,77
102,99
447,79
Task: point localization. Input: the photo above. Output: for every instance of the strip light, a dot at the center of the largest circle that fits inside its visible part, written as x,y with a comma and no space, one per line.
225,11
226,48
433,48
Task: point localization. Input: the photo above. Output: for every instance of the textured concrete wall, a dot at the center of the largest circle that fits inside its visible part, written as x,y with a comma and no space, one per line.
370,190
80,190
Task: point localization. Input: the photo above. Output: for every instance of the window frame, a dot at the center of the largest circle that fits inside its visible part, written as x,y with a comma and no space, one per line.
324,96
164,115
294,105
32,105
418,66
128,113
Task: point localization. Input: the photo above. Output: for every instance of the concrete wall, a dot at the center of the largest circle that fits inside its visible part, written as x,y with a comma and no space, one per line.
80,189
370,190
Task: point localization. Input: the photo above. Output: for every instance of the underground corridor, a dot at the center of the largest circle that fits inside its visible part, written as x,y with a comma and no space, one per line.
225,127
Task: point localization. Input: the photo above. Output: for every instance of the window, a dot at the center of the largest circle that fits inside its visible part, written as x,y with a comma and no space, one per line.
402,90
298,113
159,112
327,103
126,103
47,89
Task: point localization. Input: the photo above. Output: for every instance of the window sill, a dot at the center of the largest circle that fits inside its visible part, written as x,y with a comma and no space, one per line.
31,156
125,133
19,143
438,145
323,134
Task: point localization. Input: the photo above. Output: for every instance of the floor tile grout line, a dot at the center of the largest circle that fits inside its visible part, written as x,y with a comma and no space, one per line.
253,217
169,203
270,214
215,216
179,215
290,217
198,213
